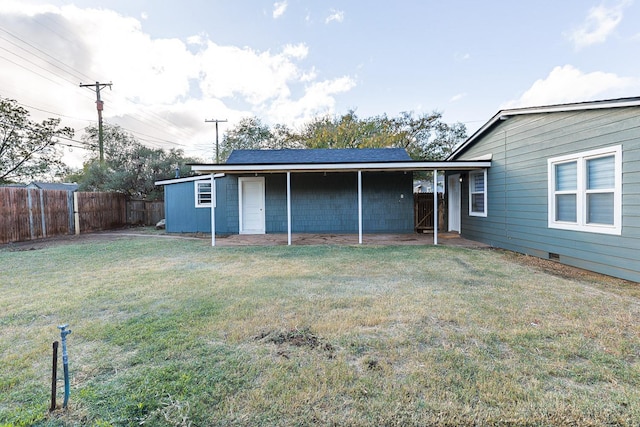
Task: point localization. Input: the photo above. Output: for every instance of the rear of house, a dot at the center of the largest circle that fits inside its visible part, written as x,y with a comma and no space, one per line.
323,198
564,184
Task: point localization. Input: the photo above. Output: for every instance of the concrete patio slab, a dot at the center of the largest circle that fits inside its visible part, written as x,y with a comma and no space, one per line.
298,239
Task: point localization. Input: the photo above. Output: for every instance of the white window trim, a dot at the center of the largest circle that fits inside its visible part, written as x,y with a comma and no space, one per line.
196,188
581,221
471,212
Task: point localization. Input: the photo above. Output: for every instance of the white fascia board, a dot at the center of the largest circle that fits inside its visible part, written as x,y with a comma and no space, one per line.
187,179
409,166
580,106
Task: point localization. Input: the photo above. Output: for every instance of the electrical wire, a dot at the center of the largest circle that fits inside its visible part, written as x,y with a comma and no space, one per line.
76,74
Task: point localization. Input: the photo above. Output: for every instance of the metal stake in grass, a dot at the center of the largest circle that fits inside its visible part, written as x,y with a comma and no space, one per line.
54,376
65,362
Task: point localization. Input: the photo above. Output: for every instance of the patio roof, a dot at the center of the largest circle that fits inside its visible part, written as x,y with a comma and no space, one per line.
290,161
405,166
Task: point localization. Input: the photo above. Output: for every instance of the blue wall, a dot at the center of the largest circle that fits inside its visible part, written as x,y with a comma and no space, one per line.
319,204
180,212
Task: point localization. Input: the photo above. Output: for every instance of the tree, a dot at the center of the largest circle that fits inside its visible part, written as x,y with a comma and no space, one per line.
130,167
28,149
426,137
251,134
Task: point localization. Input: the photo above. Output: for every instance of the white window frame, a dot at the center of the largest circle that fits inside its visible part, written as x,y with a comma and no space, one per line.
581,192
471,211
198,193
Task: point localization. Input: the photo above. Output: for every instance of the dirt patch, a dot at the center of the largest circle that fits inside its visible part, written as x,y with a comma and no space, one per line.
296,338
565,271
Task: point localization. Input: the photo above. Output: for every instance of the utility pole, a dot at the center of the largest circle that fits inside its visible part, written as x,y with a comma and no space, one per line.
216,121
97,87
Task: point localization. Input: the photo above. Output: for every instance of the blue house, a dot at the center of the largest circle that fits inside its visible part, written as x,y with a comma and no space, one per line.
300,191
564,184
187,204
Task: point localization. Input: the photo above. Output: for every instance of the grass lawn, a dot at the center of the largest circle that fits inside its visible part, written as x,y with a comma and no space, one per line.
174,332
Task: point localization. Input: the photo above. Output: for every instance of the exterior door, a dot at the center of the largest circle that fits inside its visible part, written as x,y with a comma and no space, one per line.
454,202
251,204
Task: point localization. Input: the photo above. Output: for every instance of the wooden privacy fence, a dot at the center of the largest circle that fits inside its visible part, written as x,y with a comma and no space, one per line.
144,212
100,211
28,214
423,211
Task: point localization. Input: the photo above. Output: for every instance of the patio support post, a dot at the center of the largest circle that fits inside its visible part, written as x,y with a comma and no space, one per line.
213,210
289,208
360,207
435,206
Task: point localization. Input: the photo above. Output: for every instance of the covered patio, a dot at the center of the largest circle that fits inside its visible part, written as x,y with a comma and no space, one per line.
356,168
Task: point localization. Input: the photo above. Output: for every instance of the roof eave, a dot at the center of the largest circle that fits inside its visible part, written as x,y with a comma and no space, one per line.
185,179
505,114
409,166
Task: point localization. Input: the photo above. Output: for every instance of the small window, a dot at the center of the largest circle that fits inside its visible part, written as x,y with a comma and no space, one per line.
203,194
585,191
478,193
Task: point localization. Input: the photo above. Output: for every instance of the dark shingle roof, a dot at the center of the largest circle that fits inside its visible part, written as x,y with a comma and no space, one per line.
317,156
54,186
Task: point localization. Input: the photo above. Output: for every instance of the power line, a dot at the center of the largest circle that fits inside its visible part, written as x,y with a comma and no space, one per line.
28,69
71,72
65,70
39,50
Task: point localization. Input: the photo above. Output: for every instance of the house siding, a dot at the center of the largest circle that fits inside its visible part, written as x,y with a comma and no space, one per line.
327,203
180,213
517,187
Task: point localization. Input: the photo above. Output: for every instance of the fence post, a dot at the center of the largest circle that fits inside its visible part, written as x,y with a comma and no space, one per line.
30,203
76,214
70,211
42,216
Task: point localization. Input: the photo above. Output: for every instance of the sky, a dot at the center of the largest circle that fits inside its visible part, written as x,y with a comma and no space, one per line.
173,65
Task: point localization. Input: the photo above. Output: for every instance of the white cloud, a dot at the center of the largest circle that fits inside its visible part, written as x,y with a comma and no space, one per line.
164,88
569,84
457,97
279,8
599,24
335,15
317,99
297,51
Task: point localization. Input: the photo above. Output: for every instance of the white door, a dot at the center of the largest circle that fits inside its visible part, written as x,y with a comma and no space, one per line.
251,198
454,202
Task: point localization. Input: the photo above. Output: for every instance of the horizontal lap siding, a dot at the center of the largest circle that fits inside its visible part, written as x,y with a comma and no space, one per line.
517,183
181,214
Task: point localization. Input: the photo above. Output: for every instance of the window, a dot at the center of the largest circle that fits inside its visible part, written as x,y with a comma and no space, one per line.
478,193
203,194
585,191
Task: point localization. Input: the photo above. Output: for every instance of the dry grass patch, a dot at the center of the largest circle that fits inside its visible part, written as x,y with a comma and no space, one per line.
179,333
